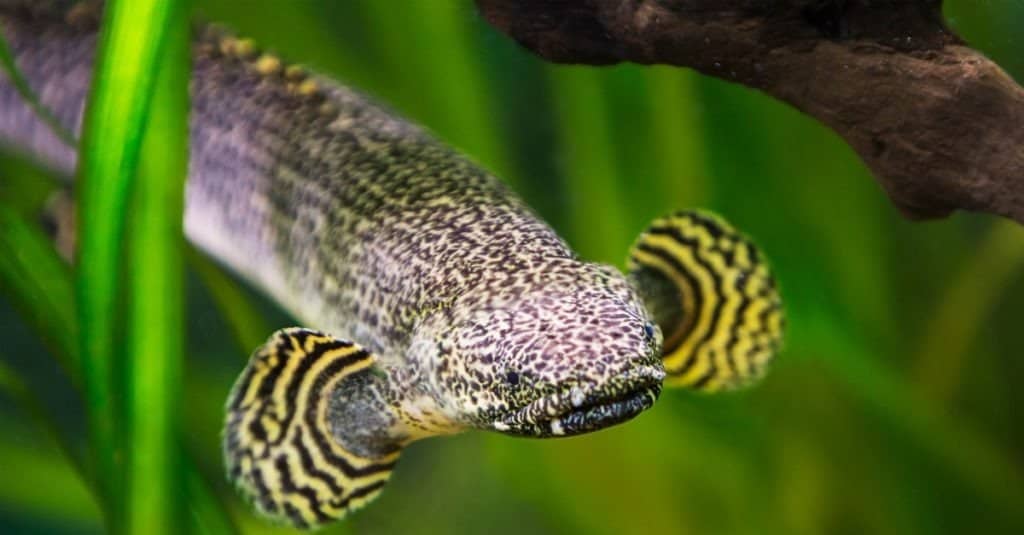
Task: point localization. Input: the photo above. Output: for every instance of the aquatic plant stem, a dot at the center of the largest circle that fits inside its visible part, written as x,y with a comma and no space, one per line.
596,220
38,486
130,42
963,308
248,328
677,146
35,279
19,82
14,386
156,320
979,463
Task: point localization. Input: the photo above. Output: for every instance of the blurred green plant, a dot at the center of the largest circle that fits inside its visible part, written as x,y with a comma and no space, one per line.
156,334
587,160
7,61
962,311
131,42
15,387
37,281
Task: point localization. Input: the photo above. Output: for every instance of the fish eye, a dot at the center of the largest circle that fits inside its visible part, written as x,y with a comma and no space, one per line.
512,378
649,331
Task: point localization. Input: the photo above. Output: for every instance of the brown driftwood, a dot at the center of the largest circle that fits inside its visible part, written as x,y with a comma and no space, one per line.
940,125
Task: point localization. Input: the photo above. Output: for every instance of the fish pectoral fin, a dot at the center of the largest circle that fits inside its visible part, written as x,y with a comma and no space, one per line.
714,297
279,447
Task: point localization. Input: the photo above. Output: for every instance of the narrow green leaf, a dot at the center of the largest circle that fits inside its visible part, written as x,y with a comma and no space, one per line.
38,282
156,321
34,278
21,84
980,463
676,141
14,386
207,514
37,487
596,215
249,328
129,46
963,309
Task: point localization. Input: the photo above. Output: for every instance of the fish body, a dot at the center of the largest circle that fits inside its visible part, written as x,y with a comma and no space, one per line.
437,301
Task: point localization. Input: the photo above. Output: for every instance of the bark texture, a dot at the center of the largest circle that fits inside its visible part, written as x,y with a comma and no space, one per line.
940,125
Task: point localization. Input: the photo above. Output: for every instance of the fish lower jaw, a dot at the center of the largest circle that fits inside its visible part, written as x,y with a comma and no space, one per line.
576,410
590,418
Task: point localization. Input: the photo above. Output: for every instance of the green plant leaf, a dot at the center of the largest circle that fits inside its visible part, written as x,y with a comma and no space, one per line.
38,282
21,84
130,43
154,360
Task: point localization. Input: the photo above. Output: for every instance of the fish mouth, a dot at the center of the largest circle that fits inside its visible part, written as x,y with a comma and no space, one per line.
586,408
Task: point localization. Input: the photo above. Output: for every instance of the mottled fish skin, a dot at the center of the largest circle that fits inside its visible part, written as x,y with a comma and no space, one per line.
363,226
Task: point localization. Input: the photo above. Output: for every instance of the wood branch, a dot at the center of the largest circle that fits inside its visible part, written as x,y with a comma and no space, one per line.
940,125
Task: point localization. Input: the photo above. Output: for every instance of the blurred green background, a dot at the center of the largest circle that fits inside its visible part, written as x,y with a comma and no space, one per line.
891,410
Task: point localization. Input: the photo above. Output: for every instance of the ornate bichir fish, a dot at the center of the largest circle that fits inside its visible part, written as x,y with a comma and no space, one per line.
436,300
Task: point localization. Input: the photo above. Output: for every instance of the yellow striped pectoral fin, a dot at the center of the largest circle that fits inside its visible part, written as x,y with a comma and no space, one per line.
278,445
712,294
